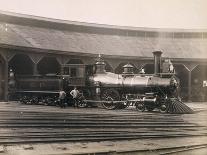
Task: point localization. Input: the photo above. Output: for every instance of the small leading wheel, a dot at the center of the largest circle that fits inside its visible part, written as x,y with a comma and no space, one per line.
110,95
140,106
163,108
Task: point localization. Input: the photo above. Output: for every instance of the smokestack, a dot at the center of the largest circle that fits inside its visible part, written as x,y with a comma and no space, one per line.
157,62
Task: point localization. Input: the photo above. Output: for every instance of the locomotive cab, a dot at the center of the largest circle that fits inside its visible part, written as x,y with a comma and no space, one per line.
74,74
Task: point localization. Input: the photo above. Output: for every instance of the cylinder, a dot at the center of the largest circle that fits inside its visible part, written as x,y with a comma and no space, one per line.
157,62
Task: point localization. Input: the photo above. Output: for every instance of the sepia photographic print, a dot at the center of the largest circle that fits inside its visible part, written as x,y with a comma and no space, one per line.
103,77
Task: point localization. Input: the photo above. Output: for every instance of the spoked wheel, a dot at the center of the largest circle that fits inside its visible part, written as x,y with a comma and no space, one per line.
140,106
164,105
34,100
49,101
163,108
24,100
110,95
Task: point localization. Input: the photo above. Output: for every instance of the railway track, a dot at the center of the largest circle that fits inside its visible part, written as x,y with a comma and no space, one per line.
21,124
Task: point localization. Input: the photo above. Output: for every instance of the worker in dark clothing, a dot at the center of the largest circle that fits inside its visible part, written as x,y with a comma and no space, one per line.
62,96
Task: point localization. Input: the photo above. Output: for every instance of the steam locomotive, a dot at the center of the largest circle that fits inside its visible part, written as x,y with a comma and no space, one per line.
142,90
112,91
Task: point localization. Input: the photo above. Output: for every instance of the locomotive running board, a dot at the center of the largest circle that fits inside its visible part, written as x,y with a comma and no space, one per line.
116,102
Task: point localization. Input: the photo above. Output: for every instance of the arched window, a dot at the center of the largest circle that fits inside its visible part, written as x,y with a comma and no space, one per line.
48,65
21,64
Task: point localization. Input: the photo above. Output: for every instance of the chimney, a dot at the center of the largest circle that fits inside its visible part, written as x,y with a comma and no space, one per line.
157,62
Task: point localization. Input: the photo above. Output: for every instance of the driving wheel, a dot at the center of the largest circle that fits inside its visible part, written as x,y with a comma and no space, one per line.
110,95
140,106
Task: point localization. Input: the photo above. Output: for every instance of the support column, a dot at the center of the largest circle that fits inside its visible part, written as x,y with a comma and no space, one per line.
62,60
36,58
61,70
6,80
6,57
35,71
189,86
190,67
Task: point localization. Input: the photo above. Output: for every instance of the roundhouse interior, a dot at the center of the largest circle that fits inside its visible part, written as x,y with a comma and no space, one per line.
40,46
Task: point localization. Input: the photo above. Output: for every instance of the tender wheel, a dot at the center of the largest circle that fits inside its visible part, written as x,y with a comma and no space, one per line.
49,101
34,100
140,106
110,95
24,100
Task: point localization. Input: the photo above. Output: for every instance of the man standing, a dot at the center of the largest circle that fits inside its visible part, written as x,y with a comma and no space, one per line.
171,68
167,66
62,96
74,93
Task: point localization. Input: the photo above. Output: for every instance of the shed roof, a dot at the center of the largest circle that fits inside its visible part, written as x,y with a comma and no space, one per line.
27,31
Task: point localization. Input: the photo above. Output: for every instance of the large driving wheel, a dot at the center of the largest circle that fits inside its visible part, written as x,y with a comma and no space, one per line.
140,106
110,95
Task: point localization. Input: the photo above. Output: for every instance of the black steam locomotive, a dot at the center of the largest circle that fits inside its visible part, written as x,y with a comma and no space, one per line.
111,90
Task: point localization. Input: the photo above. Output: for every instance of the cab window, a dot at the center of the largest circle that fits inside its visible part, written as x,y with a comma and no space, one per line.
73,72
